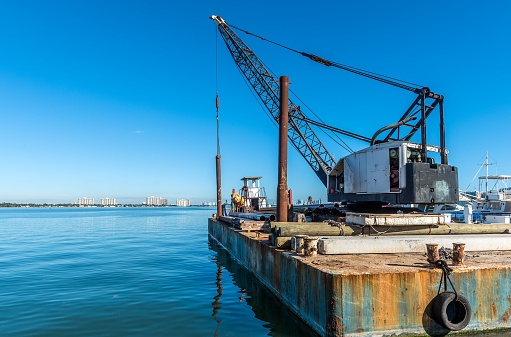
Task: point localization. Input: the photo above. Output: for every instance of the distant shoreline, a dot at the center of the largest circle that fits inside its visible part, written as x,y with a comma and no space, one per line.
14,205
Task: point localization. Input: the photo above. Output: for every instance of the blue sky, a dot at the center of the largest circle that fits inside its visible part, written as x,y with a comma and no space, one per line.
116,98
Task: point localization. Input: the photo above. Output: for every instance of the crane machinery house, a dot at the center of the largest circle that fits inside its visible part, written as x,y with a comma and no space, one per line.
392,172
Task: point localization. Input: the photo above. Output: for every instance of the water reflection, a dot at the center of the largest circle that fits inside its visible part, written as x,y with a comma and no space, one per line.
217,304
265,306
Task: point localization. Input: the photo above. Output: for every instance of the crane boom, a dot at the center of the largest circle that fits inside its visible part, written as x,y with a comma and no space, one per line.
301,134
419,104
393,170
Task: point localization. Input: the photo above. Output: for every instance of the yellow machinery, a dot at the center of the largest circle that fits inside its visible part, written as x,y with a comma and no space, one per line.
237,202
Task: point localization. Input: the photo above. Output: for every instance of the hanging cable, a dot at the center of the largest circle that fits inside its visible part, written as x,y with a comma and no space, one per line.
257,100
217,100
219,206
379,77
345,146
262,38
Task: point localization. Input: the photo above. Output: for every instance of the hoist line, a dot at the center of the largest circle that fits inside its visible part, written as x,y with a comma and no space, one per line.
262,38
273,120
216,59
257,100
345,146
375,76
217,101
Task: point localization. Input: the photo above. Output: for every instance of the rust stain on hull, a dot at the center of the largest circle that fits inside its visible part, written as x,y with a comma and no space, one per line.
371,295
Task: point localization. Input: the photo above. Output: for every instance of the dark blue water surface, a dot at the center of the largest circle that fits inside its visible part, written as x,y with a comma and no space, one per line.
127,272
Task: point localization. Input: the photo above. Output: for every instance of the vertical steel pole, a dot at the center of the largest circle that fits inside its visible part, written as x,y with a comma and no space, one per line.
486,175
424,154
283,134
442,133
218,188
218,175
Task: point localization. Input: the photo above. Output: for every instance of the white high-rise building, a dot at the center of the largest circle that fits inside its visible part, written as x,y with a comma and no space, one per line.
85,201
108,202
156,201
182,203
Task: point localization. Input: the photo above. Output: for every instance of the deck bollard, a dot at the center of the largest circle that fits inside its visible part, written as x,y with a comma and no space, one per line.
458,254
432,252
299,243
310,246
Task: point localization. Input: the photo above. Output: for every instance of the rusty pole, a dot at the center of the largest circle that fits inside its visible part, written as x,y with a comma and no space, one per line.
283,134
218,188
218,176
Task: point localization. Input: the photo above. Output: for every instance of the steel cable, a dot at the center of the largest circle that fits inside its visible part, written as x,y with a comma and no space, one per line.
256,98
217,101
379,77
346,147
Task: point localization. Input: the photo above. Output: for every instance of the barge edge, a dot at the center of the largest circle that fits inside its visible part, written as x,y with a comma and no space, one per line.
367,304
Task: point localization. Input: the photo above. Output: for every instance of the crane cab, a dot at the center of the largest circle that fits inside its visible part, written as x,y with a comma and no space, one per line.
392,172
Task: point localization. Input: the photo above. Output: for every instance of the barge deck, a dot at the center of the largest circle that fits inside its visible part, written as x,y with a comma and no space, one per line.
371,294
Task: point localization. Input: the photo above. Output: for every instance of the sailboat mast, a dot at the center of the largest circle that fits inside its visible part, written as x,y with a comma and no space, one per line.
486,174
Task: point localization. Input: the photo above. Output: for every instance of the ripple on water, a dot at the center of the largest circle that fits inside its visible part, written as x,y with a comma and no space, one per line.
127,272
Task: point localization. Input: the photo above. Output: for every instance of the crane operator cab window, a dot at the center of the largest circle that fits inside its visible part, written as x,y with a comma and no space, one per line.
413,156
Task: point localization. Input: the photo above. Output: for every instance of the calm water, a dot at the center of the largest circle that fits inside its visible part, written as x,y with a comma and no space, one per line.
127,272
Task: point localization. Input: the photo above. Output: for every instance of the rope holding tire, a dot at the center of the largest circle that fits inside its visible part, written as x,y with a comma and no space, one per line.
450,309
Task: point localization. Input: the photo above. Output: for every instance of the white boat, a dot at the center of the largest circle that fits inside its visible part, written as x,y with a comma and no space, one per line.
491,205
494,205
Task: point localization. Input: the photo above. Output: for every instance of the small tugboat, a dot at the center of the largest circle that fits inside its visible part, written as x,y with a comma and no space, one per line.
249,201
251,197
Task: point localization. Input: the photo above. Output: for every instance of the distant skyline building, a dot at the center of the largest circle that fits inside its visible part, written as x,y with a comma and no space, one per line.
85,201
156,201
108,202
182,203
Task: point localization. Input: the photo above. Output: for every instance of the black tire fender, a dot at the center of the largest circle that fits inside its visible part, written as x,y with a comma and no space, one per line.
452,314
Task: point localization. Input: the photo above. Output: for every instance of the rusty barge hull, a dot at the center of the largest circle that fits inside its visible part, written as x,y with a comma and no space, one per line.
371,295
